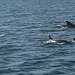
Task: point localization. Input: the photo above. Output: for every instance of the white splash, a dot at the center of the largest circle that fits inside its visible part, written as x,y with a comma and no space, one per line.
2,34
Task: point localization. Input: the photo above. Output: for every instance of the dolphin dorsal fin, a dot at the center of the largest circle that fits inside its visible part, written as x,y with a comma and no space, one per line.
50,38
69,23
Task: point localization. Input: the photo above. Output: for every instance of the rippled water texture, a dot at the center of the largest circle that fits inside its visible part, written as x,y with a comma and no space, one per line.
24,24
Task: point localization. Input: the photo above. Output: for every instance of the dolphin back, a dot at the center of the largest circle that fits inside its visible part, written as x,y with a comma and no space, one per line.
69,23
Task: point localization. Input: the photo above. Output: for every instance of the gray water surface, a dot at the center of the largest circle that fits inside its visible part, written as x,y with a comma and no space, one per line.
26,23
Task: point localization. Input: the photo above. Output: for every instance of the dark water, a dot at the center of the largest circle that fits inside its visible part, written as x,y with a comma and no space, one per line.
26,23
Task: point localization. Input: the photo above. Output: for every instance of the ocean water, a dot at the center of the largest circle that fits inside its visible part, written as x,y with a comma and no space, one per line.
25,24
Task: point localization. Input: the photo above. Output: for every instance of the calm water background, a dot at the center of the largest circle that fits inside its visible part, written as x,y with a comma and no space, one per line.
26,23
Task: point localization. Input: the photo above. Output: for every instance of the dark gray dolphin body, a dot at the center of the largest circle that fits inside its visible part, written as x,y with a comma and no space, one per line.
61,41
55,41
69,25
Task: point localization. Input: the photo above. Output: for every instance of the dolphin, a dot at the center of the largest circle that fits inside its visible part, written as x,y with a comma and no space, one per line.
69,25
55,41
73,39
